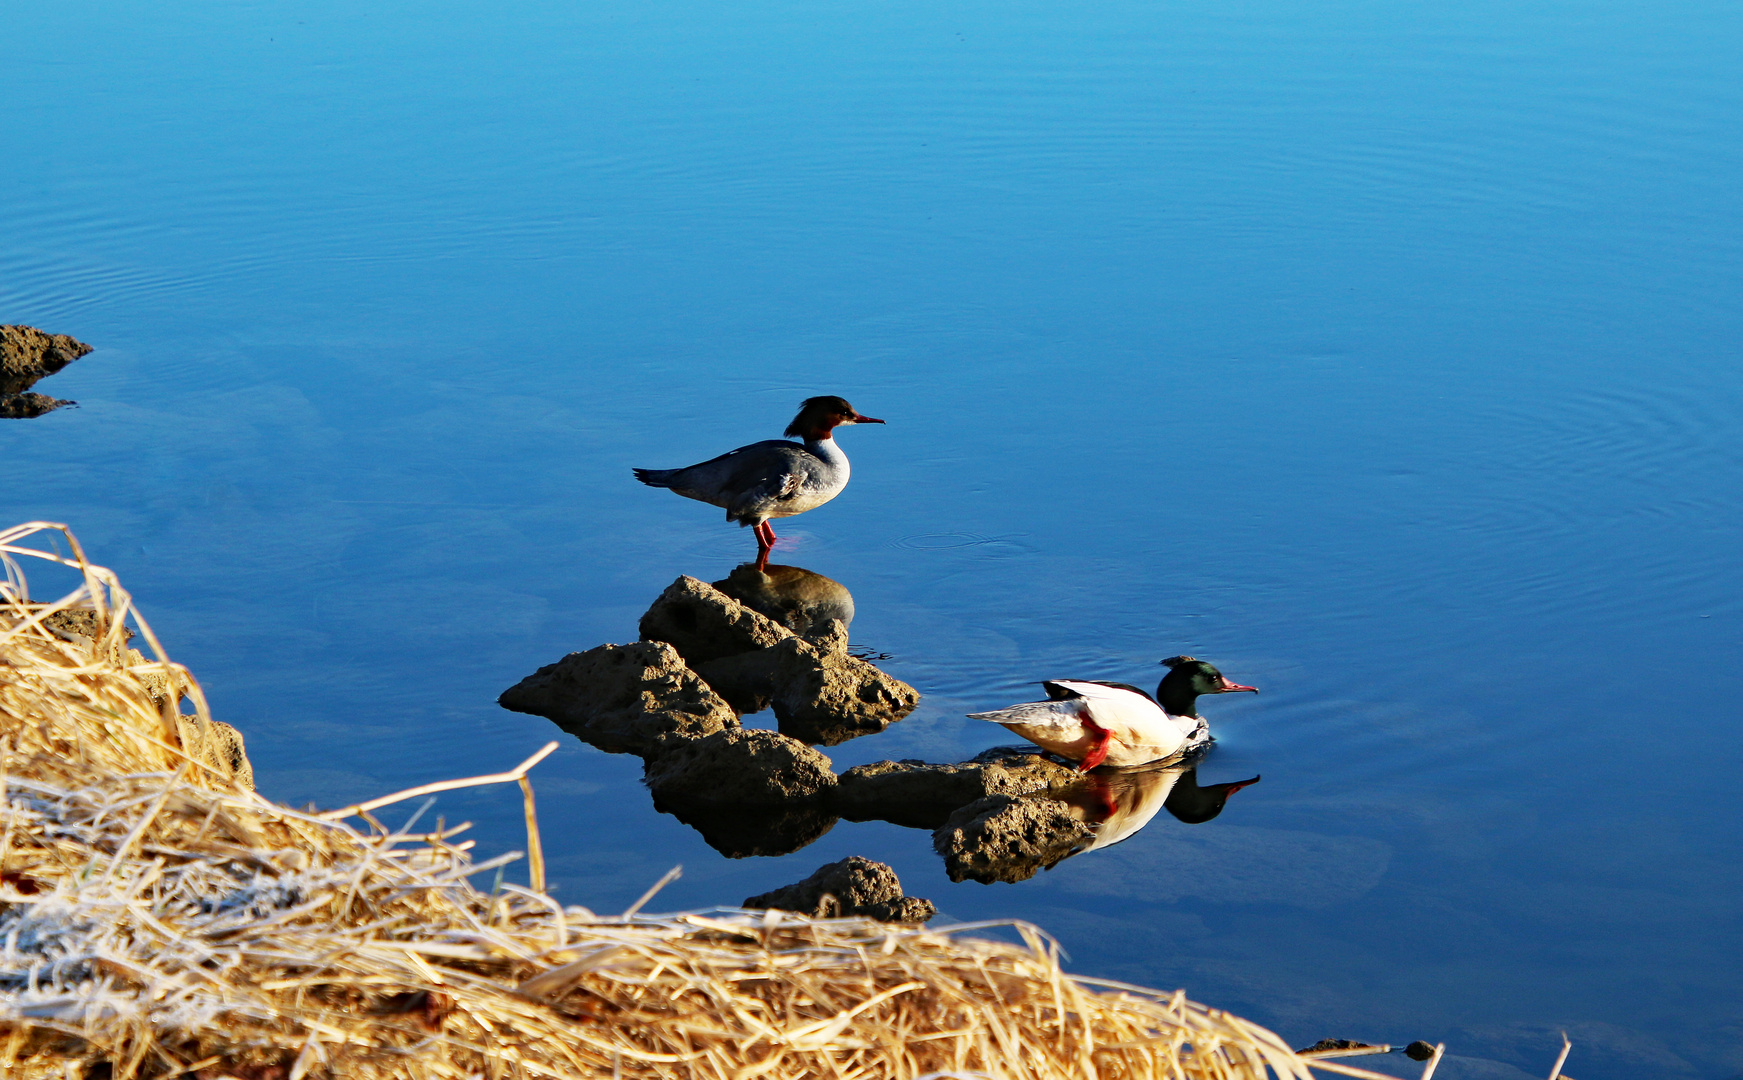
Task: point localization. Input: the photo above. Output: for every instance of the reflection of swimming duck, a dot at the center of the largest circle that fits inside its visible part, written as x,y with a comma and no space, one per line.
774,478
799,599
1093,723
1120,802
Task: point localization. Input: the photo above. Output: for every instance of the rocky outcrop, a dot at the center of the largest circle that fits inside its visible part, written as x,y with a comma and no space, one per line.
801,600
26,355
819,693
1001,838
704,624
923,796
624,699
739,767
853,886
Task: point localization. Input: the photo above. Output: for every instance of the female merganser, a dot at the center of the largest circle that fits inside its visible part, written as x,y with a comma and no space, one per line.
1117,723
774,478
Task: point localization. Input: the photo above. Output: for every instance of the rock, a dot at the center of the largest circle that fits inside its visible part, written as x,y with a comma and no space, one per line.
799,599
26,406
738,767
740,832
704,624
923,796
1001,838
853,886
27,354
1338,1044
218,746
820,694
1419,1051
623,699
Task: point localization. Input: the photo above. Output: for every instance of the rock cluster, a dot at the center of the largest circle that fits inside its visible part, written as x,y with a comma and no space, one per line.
854,886
26,355
675,697
923,796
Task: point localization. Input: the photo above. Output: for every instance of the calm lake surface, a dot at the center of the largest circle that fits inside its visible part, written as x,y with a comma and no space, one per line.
1384,355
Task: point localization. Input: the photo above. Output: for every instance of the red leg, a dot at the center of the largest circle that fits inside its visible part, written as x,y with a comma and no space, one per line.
769,531
1098,747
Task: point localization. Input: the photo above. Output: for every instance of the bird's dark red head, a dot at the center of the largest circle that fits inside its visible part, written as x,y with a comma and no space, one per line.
818,416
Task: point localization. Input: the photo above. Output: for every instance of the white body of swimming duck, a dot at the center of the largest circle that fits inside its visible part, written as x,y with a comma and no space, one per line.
1096,723
774,478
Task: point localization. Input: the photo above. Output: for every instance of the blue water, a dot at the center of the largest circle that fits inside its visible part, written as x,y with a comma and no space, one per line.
1383,354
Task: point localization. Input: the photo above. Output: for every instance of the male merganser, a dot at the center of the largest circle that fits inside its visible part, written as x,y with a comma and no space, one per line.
1093,723
774,478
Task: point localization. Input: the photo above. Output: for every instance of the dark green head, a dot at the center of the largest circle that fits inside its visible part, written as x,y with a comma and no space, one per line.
818,416
1186,679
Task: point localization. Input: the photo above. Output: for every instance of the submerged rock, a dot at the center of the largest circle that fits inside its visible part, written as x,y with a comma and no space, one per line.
854,886
801,600
27,354
739,767
25,406
820,694
705,624
923,796
1001,838
623,699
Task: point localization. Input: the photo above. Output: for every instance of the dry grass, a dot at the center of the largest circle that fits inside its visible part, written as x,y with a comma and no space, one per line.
156,921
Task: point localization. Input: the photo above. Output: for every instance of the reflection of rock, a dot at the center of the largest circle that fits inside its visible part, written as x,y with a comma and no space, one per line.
633,699
799,599
819,693
704,624
27,354
1001,838
740,832
923,796
738,767
25,406
853,886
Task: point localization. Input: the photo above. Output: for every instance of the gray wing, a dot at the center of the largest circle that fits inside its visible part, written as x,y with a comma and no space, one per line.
746,480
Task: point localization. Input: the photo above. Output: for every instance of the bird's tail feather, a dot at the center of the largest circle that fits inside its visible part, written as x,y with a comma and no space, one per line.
1039,713
655,477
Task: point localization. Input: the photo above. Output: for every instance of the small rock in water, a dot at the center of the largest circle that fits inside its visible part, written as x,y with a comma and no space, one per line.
800,600
1419,1051
623,699
738,767
854,886
923,796
820,694
1335,1044
27,354
705,624
1001,838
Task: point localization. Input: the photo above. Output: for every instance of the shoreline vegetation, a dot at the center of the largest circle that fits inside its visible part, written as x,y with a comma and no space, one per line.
159,918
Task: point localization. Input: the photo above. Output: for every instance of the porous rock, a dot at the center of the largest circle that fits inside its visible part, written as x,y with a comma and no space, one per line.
820,694
854,886
801,600
623,699
27,354
738,767
1001,838
26,406
705,624
923,795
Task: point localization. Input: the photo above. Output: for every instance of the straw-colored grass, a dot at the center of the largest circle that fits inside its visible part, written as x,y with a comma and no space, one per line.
157,921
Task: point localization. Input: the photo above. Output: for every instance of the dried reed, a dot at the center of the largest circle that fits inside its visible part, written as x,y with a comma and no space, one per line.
157,921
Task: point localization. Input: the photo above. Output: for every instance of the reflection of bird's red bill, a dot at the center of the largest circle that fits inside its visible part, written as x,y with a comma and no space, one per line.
1236,787
1231,687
